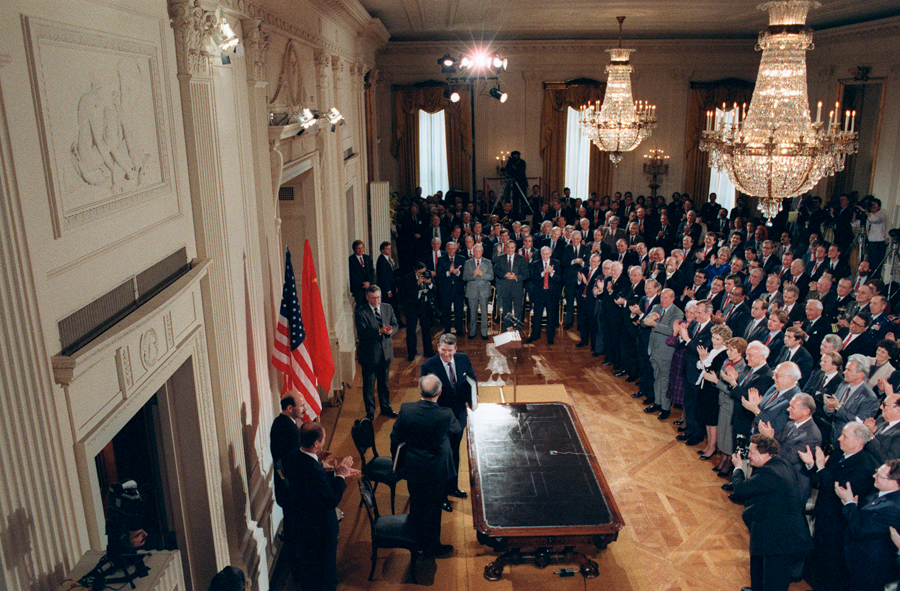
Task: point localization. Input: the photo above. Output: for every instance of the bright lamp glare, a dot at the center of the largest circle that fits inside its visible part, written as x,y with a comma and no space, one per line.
454,97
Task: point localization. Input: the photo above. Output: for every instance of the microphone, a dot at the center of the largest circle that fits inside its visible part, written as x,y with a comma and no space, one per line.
515,322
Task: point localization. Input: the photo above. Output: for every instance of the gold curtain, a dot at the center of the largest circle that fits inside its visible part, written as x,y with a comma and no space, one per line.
558,97
458,121
705,96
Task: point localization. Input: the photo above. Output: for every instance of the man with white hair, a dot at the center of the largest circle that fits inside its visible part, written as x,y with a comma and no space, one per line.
478,273
758,378
661,321
815,327
546,281
772,407
854,400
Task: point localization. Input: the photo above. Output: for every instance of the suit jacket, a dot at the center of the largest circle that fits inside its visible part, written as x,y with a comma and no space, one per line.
816,332
762,380
861,404
456,398
386,279
756,332
828,510
775,345
774,409
885,444
570,269
451,283
879,326
796,314
737,318
360,274
861,345
754,293
793,439
663,330
837,270
374,347
610,237
816,269
773,509
770,265
425,427
802,358
629,259
428,259
310,519
478,286
870,554
284,438
519,268
554,281
840,307
702,338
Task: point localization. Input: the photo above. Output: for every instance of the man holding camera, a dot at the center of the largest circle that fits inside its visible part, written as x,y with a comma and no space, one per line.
417,291
773,512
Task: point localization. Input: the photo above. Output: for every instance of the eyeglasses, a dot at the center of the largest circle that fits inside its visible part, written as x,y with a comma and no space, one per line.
863,325
884,405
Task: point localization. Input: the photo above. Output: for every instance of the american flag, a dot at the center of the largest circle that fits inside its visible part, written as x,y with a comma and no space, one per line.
290,356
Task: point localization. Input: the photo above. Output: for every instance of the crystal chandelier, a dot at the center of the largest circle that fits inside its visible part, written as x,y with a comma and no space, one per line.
774,151
620,124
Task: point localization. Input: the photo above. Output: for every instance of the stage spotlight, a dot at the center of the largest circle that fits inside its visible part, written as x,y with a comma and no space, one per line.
306,118
451,95
497,94
465,63
447,63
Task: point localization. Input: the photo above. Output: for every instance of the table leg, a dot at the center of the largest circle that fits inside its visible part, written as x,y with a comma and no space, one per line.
494,570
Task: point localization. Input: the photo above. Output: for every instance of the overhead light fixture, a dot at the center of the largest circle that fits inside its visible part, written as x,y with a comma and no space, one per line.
334,117
774,150
307,118
620,124
496,93
222,34
447,63
451,95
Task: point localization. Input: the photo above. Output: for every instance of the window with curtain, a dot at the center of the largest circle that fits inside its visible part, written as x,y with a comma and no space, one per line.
719,183
434,173
578,157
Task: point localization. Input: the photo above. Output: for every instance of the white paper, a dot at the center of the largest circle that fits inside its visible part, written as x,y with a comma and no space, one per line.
473,385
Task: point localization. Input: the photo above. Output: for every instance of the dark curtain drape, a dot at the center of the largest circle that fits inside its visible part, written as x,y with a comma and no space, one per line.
705,96
429,97
558,97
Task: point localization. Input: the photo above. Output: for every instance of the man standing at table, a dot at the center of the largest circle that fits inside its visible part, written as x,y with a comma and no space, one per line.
425,428
478,273
511,272
546,280
452,369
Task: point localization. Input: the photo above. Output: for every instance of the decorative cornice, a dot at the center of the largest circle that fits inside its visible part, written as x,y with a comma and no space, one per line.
256,44
886,27
192,25
576,46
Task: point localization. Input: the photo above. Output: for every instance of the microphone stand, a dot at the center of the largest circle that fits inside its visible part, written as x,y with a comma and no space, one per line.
514,326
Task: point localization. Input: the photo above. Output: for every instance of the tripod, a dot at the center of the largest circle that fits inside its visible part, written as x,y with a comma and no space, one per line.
510,186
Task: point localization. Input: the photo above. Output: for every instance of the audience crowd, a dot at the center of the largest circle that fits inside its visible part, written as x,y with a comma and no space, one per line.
779,333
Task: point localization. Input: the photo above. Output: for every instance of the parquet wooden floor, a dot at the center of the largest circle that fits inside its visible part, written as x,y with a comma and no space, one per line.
681,532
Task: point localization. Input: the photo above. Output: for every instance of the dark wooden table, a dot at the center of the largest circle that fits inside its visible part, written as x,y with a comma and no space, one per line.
537,489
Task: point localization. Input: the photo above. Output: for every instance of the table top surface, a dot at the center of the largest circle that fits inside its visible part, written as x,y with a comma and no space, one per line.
533,472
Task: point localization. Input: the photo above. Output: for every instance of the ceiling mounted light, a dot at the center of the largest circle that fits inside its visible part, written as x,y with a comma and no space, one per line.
620,124
307,118
451,95
774,150
334,117
222,35
496,93
447,63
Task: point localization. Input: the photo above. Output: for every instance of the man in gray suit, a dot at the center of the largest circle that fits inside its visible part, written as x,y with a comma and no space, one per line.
511,272
661,320
800,433
375,323
478,273
854,399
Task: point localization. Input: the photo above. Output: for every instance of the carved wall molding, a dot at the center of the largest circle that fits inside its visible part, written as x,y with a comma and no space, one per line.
256,45
192,25
290,80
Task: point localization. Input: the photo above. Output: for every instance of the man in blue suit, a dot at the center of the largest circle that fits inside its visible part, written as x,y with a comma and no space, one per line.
870,554
456,394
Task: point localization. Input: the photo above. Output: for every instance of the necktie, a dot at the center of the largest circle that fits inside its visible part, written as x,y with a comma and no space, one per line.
621,256
510,263
435,260
590,274
528,256
694,330
361,262
546,277
727,300
816,266
451,374
856,287
847,340
768,339
478,264
377,316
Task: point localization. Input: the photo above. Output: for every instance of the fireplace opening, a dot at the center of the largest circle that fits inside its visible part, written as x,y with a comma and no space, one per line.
136,453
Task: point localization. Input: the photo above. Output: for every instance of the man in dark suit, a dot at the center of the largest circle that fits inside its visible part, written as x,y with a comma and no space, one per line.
850,464
798,434
871,556
432,258
375,323
757,327
836,266
510,273
822,383
792,305
546,279
418,291
774,340
815,327
362,273
773,512
575,258
588,277
793,351
737,315
452,368
284,437
452,288
425,428
856,340
386,278
772,407
697,335
313,494
758,378
885,442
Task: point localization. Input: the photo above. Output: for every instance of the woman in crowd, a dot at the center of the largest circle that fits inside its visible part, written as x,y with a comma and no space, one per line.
734,348
710,364
675,393
720,266
883,364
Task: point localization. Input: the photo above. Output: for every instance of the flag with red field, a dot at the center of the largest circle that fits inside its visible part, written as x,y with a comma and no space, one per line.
291,356
317,331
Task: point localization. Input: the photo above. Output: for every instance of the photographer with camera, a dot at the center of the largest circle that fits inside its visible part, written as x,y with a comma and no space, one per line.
417,292
515,172
773,512
876,231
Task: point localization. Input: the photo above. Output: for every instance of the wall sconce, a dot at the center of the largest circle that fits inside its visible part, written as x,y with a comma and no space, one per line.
307,118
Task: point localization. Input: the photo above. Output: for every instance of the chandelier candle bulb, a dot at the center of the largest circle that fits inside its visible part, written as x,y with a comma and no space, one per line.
853,122
819,114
